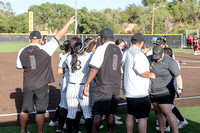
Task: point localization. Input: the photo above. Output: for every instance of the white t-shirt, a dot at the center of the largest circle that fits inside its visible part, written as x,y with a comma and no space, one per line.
135,63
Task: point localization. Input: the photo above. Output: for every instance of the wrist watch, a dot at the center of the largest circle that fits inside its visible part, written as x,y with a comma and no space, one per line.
180,89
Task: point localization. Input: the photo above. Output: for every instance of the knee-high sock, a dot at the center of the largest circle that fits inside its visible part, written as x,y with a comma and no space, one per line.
69,125
88,124
77,120
62,116
177,114
55,116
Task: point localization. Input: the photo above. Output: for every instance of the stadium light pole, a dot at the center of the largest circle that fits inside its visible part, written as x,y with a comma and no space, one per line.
75,17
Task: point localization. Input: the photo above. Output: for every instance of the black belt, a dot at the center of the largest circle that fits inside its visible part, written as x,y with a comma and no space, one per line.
77,83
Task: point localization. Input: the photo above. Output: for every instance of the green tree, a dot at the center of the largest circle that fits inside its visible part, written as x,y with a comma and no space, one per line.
51,16
6,9
92,22
3,24
133,12
150,2
5,13
18,23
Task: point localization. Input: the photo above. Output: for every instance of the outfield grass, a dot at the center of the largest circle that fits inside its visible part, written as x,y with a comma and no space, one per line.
17,47
190,113
184,50
13,47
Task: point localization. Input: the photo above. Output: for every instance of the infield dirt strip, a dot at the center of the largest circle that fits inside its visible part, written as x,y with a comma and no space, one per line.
11,83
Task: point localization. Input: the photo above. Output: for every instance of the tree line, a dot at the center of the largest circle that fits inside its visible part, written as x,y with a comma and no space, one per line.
172,17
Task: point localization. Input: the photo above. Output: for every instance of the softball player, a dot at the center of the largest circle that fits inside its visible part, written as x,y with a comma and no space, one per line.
79,69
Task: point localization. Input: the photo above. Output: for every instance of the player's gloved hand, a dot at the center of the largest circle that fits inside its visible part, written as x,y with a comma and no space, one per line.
86,90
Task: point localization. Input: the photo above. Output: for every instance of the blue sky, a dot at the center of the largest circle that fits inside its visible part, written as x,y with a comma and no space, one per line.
21,6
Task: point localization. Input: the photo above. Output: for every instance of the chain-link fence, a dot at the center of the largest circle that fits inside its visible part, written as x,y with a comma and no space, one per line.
174,41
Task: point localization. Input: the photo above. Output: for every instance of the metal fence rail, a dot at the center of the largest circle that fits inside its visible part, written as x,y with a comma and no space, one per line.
174,41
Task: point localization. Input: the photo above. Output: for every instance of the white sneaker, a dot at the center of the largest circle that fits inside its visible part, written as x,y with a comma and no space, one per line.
103,117
82,121
136,120
182,124
52,124
157,123
177,120
117,122
167,129
101,127
117,117
65,126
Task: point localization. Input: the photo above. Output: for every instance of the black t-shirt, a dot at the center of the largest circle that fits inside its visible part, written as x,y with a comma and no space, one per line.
107,59
36,62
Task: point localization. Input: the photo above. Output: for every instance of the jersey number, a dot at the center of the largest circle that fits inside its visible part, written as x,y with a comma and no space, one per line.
115,59
32,61
78,66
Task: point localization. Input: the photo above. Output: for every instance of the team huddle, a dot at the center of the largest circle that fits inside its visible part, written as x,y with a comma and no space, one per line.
94,71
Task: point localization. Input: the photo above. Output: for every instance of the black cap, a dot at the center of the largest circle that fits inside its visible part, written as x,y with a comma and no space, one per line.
160,41
106,32
139,37
157,52
35,35
79,47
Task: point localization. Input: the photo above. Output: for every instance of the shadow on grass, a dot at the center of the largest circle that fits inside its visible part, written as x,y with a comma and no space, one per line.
54,99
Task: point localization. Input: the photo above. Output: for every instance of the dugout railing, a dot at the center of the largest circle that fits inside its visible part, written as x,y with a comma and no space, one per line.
174,41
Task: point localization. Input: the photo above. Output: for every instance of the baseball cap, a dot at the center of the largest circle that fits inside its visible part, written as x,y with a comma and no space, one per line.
106,32
157,52
138,37
35,35
160,41
79,47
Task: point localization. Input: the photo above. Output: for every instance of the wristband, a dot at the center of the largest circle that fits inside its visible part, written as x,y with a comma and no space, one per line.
180,89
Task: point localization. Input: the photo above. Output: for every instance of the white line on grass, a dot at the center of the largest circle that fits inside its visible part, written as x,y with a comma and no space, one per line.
120,104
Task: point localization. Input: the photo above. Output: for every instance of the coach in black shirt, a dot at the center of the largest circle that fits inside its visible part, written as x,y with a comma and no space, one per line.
105,69
35,59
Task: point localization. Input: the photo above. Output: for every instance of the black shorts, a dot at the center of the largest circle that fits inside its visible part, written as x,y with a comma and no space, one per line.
163,99
189,44
139,107
38,97
105,104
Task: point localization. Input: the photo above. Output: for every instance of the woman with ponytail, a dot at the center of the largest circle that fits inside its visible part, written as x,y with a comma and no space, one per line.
61,111
77,63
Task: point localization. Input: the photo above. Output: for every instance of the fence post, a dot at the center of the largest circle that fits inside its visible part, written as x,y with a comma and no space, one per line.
181,41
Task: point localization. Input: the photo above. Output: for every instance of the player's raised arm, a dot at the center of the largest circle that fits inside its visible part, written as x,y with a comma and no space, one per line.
62,31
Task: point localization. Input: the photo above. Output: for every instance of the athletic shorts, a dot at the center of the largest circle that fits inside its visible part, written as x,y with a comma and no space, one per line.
38,97
163,99
139,107
105,104
189,44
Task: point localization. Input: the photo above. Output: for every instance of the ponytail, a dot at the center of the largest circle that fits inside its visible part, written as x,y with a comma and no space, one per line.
78,48
74,62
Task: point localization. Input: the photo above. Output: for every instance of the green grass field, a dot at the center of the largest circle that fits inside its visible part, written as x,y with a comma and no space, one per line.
17,47
190,113
13,47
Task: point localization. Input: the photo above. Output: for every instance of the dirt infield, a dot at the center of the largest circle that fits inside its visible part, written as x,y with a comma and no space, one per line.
11,81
